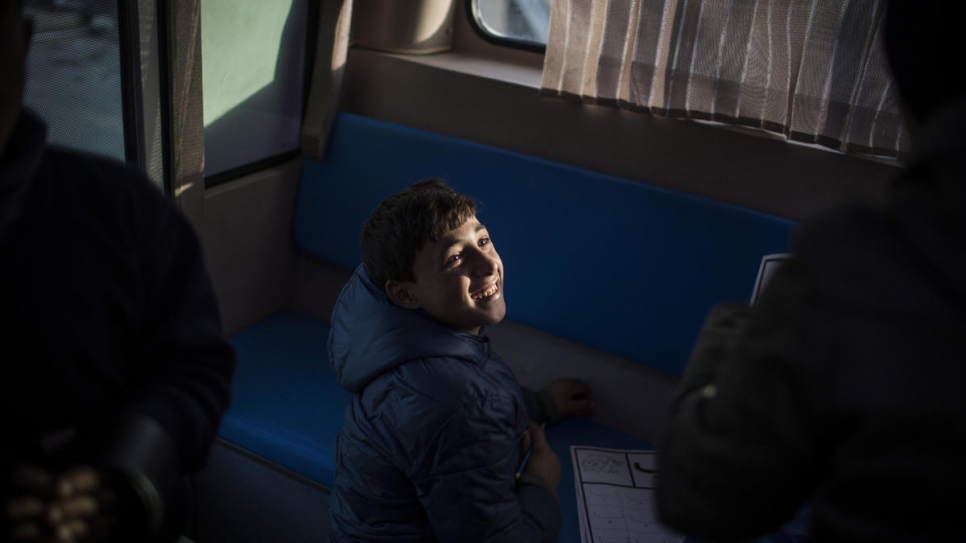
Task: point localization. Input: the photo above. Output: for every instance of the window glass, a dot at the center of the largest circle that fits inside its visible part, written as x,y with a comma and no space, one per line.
74,74
253,55
522,21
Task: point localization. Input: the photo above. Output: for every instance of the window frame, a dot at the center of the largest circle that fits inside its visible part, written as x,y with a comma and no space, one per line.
473,15
132,98
127,49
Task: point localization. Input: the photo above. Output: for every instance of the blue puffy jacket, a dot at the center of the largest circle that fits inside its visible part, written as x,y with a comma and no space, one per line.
430,443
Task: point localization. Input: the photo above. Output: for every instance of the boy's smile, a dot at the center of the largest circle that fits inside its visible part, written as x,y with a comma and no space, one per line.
490,291
459,280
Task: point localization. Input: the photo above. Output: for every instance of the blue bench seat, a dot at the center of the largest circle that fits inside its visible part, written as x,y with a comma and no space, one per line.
617,265
286,403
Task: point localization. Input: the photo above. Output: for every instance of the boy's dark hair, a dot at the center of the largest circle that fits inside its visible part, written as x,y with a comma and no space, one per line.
405,221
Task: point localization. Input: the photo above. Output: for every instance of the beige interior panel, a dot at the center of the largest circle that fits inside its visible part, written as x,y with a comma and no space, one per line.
248,244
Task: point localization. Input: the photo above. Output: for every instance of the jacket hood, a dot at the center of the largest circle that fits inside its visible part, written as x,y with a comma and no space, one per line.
371,336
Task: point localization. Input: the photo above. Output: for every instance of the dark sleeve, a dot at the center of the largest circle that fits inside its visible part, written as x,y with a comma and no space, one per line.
735,458
467,484
540,406
187,387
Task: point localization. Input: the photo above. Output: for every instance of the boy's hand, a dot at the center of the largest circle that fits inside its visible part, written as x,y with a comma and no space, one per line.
572,397
543,463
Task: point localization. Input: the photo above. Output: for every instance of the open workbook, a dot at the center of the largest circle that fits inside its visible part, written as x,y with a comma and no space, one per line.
615,496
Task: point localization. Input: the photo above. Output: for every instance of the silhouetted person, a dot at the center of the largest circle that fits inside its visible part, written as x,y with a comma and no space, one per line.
115,371
843,386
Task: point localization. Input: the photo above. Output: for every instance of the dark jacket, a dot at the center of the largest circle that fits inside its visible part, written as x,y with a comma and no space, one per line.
109,322
845,385
431,440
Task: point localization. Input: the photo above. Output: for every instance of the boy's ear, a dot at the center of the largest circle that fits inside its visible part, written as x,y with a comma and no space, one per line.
398,292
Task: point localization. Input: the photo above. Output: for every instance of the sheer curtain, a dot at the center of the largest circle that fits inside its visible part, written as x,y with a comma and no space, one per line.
811,70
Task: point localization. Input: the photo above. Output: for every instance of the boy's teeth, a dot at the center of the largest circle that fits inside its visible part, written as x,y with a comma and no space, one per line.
486,293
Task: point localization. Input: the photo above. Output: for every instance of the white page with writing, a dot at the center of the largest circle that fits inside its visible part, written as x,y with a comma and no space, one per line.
615,496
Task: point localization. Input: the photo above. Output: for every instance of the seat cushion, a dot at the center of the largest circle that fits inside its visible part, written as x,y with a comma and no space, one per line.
287,406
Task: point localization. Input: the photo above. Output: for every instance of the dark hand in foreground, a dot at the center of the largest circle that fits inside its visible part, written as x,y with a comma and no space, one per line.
72,507
27,491
573,397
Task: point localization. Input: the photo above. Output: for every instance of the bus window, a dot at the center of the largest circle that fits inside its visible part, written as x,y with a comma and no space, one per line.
253,71
74,74
522,23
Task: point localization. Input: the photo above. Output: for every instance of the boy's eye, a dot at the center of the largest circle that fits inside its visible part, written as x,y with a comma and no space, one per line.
484,241
453,259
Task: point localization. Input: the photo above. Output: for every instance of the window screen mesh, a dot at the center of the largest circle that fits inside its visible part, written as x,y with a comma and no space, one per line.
74,73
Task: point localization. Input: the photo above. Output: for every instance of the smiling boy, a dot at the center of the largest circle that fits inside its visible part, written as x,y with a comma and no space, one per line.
438,425
465,295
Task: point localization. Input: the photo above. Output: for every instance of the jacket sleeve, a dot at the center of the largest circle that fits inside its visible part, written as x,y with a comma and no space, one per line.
466,480
179,364
735,457
540,406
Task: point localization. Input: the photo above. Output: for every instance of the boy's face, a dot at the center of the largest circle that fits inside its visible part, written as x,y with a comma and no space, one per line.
459,280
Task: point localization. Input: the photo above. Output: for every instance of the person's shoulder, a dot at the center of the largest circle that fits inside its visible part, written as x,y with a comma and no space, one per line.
860,257
95,174
852,237
416,399
450,384
441,380
844,225
433,393
89,166
104,185
430,405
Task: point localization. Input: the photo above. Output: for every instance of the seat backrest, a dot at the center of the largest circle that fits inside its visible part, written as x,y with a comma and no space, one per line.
615,264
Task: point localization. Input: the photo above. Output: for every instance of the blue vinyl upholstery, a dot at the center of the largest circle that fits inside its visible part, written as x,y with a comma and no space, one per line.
286,403
615,264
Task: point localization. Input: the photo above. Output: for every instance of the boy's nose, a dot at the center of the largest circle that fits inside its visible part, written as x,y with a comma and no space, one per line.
486,262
